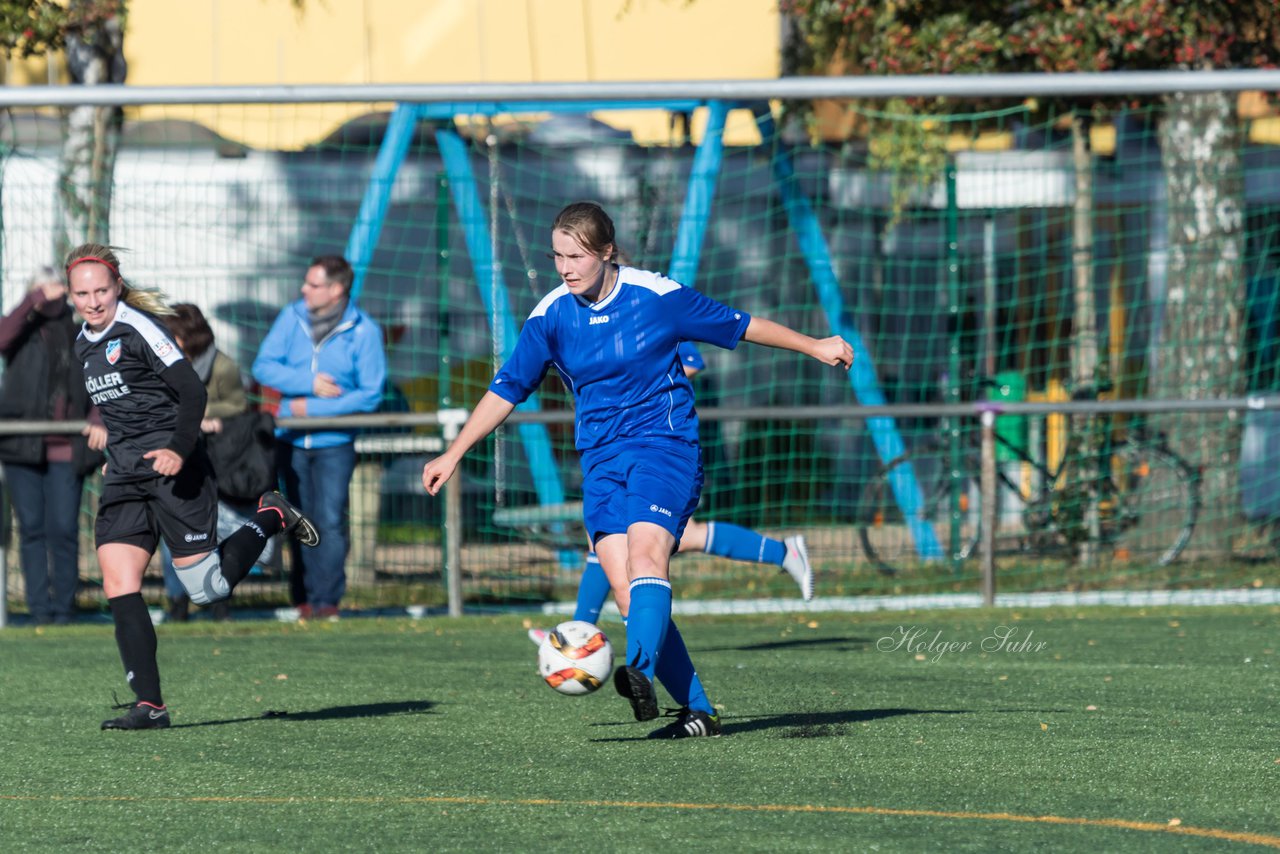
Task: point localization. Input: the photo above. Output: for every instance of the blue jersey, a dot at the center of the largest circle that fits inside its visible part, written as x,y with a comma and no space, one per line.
620,356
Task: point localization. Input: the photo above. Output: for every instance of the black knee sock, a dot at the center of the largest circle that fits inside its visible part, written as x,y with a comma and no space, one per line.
136,638
241,550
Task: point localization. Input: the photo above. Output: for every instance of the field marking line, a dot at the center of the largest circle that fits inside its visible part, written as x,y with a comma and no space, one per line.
950,601
1246,837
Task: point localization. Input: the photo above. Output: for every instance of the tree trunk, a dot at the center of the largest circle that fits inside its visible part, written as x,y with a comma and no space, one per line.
1084,317
95,55
1202,351
1084,335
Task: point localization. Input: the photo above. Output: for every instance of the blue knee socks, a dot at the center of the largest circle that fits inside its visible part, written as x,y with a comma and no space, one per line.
650,628
738,543
675,672
593,589
723,539
647,622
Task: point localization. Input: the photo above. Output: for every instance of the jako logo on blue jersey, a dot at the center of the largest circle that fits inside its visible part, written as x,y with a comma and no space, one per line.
113,351
602,318
654,508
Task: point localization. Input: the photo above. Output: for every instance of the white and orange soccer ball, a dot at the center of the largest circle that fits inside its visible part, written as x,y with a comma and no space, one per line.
575,657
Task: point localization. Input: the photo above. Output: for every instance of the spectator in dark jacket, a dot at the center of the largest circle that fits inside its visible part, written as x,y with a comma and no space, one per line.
44,474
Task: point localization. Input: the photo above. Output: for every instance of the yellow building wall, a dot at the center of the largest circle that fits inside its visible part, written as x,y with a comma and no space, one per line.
267,42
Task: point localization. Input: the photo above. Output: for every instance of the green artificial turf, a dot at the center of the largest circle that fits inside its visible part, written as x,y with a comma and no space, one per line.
1097,730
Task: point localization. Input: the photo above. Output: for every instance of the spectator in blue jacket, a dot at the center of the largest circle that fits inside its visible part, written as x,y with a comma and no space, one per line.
325,358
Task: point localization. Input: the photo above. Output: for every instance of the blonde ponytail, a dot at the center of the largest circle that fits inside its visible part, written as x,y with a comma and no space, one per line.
149,300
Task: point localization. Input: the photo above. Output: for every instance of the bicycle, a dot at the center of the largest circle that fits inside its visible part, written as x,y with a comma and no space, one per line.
1130,498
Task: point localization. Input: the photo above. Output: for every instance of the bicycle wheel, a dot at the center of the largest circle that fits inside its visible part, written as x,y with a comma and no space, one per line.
1153,505
945,514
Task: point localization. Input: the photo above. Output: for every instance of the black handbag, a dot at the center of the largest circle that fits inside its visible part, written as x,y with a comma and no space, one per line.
243,456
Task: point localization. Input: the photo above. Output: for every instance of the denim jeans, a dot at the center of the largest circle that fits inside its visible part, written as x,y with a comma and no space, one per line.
46,500
318,481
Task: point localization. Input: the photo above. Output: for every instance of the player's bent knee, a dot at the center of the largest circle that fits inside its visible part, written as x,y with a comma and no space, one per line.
203,580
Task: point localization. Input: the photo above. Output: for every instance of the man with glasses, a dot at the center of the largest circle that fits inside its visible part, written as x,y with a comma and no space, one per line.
325,358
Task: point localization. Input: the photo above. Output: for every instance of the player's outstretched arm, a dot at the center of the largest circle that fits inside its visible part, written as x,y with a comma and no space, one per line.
830,351
491,411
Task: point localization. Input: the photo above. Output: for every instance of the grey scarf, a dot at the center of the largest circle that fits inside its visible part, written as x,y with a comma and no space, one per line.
323,322
203,364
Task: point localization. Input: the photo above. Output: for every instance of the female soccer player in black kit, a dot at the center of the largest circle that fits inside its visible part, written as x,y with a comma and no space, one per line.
158,481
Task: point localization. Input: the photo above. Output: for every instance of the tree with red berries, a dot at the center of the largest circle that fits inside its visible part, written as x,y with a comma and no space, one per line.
1202,340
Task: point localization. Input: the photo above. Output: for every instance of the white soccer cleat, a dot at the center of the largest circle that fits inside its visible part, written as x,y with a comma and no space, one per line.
796,563
537,636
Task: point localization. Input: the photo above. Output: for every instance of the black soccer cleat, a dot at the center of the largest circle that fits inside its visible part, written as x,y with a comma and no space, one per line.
295,523
140,716
631,683
689,724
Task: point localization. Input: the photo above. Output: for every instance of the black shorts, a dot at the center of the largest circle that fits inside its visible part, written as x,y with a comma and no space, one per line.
182,509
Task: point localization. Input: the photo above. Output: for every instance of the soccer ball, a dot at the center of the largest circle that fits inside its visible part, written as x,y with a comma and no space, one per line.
575,657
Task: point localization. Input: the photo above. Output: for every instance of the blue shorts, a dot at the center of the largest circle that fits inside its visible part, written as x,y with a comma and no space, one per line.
636,481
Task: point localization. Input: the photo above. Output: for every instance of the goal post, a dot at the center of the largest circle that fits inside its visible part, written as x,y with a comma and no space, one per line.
442,197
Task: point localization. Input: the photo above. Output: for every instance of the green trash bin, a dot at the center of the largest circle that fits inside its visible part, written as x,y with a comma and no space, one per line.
1010,387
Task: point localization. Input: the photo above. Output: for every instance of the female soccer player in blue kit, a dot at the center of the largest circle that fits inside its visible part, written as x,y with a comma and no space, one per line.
612,332
717,538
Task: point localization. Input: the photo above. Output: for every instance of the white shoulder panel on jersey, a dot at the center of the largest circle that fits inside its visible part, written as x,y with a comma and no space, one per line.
655,282
161,344
541,308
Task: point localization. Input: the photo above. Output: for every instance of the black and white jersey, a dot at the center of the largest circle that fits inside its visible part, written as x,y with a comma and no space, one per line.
122,367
